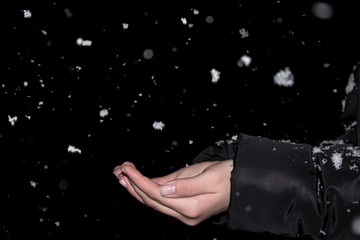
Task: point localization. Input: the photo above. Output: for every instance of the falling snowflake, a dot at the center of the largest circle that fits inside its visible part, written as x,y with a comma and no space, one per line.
12,120
83,43
73,149
244,60
158,125
284,78
184,21
243,32
27,14
33,184
215,75
103,113
125,26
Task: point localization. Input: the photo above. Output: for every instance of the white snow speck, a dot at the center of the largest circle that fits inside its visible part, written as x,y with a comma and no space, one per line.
77,68
244,60
73,149
12,120
125,26
57,224
337,159
104,113
191,142
68,12
196,12
215,75
33,184
316,150
158,125
284,78
234,138
27,13
244,33
183,20
83,43
354,167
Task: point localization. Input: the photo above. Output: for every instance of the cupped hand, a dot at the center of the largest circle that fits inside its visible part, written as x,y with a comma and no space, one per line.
190,194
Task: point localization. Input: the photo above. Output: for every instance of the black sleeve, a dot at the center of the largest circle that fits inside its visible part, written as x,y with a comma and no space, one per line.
291,189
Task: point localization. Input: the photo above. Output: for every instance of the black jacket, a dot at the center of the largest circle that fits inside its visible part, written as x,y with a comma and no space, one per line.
296,189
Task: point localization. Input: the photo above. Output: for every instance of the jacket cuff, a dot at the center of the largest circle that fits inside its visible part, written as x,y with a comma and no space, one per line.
273,188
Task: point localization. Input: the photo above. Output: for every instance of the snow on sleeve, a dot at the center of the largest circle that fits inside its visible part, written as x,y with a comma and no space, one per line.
284,78
337,159
158,125
215,75
73,149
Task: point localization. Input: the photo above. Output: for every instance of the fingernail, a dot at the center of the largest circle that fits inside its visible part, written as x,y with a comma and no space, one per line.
117,171
167,190
123,170
123,183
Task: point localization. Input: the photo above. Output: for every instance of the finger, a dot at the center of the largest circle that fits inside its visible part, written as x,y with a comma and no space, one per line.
124,181
142,182
149,191
156,205
188,187
117,171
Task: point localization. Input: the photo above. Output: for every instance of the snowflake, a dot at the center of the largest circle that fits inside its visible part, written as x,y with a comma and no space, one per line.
104,113
215,75
12,120
27,14
337,159
73,149
158,125
284,78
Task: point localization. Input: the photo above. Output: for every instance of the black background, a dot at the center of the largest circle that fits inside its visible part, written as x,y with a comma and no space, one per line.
56,89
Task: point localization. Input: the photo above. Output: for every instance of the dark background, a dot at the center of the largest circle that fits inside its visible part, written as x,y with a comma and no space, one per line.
56,89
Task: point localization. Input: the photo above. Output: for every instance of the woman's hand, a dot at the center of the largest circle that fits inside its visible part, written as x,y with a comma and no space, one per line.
190,194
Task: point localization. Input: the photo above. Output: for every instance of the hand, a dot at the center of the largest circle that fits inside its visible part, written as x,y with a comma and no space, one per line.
190,194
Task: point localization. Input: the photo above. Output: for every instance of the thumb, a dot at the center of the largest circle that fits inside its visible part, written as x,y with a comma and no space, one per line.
186,187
